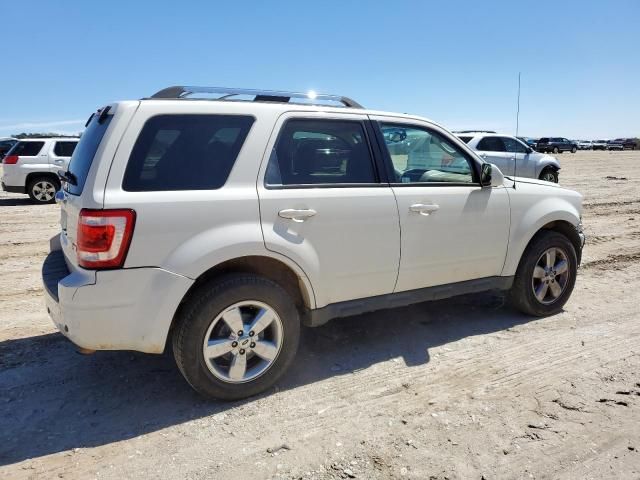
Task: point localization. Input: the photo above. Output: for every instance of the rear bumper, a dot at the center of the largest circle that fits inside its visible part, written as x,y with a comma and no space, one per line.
126,309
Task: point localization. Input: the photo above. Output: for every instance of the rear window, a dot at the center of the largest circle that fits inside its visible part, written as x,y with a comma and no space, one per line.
64,149
465,139
27,149
543,140
85,151
185,152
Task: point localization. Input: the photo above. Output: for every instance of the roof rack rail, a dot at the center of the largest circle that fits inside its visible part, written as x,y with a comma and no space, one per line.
474,131
311,98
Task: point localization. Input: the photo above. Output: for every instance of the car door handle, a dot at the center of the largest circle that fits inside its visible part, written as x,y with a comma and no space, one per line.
424,209
296,215
59,161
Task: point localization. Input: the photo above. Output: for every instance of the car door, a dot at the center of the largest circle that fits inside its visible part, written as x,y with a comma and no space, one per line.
492,150
322,205
60,154
452,229
521,163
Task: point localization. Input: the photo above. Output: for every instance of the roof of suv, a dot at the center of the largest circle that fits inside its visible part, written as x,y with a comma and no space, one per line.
483,134
278,100
42,139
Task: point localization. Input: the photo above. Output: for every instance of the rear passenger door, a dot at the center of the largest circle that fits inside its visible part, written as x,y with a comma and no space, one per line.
493,150
322,205
61,154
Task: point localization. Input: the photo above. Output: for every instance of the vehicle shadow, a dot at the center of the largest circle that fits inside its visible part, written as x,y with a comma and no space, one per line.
53,399
16,202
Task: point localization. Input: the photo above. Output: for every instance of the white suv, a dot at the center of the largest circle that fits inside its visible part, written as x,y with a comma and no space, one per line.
221,225
32,166
512,156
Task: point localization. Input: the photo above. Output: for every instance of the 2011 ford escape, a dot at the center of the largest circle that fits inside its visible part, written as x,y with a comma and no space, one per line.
221,224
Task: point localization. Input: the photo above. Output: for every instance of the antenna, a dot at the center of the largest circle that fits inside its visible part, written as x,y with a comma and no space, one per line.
515,157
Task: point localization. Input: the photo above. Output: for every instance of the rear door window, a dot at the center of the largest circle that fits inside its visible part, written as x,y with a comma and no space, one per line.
491,144
64,149
312,152
185,152
85,151
27,149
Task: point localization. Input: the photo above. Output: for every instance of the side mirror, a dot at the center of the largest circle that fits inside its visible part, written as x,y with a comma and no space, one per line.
491,176
529,150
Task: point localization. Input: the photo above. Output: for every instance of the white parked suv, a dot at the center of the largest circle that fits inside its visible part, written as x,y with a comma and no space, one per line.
32,166
512,156
223,225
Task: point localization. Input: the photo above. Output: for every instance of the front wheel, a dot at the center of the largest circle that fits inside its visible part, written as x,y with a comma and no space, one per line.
236,336
574,150
556,150
546,275
549,175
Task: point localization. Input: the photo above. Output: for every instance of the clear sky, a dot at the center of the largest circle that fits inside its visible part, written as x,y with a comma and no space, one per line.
454,62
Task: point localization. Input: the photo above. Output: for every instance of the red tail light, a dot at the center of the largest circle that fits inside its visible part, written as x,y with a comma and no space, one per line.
10,159
104,237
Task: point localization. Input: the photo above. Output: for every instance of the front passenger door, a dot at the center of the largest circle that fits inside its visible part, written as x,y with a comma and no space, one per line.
452,229
519,155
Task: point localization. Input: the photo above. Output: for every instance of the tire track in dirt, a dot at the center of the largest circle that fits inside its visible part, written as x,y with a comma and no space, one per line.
612,262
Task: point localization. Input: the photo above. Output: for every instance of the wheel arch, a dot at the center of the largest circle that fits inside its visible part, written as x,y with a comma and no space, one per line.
287,276
562,226
32,175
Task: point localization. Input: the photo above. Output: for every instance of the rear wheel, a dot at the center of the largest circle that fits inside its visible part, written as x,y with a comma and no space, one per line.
236,336
43,189
549,175
546,275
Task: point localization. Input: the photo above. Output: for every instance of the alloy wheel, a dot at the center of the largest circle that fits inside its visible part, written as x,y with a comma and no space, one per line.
43,191
243,341
550,275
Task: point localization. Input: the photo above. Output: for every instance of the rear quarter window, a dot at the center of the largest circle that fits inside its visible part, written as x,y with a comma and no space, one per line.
465,139
185,152
27,149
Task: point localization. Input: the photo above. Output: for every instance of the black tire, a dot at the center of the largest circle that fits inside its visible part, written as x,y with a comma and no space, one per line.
574,150
34,188
522,295
204,305
549,172
556,150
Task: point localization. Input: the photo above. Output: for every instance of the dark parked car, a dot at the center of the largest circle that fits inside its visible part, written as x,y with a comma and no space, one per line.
5,145
529,141
622,144
556,145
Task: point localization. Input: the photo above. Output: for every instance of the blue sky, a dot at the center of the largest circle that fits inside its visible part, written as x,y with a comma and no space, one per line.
454,62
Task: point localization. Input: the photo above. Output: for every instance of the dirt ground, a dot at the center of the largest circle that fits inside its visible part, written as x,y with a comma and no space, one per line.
462,388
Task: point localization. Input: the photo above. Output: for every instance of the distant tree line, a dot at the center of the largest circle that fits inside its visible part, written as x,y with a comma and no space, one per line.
42,135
